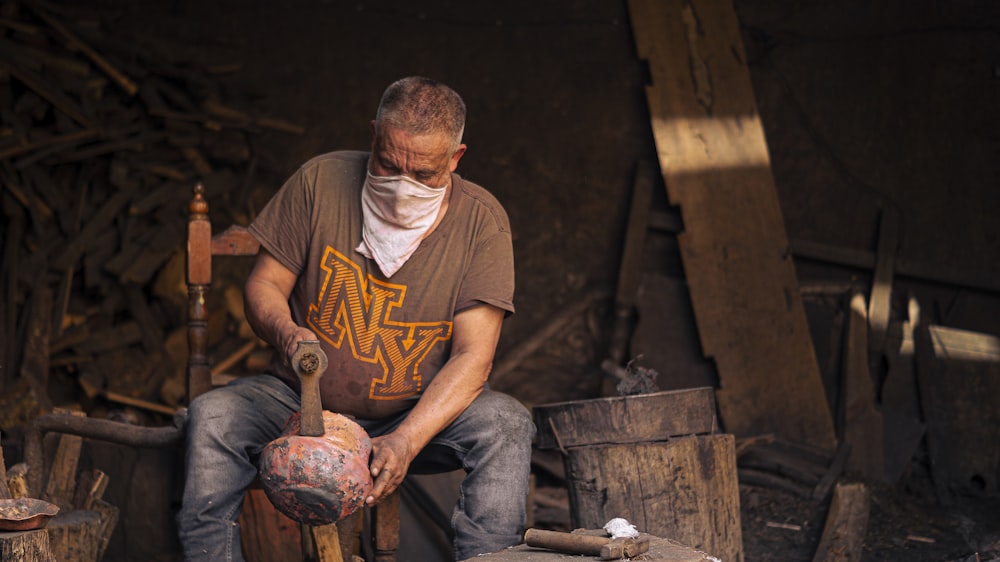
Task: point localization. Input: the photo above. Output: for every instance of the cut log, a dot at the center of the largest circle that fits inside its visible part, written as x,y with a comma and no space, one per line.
26,546
625,419
75,536
846,524
685,489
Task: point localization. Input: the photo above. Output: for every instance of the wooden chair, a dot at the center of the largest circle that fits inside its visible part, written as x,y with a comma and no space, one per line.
202,245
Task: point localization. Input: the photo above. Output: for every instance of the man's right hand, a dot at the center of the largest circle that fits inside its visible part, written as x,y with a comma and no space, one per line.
292,339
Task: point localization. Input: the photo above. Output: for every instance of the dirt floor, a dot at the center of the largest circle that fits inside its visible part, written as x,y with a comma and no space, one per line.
905,525
557,123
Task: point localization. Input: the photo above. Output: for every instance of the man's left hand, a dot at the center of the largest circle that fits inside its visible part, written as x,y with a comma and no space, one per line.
391,456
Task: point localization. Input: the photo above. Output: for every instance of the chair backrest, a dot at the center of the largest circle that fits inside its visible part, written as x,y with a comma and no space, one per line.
201,246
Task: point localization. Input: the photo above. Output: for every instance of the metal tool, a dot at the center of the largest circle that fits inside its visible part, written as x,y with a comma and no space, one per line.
309,363
605,547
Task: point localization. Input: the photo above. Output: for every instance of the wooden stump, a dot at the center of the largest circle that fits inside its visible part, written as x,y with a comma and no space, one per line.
26,546
75,536
684,489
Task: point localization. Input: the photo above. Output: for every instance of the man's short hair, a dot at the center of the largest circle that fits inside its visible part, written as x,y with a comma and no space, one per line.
422,106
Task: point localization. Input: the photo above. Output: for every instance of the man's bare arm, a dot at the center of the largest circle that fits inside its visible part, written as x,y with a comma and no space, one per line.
266,302
461,379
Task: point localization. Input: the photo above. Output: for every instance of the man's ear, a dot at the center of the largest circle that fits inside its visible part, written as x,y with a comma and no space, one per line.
453,164
372,127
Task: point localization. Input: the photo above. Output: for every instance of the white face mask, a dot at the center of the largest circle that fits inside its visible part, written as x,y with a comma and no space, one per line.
397,211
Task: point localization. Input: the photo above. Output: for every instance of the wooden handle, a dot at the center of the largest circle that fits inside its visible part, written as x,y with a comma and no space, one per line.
571,543
309,363
593,545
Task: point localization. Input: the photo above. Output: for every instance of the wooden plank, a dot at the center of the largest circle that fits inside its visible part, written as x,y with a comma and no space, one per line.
846,524
327,541
901,414
90,489
685,489
625,419
881,293
862,421
904,267
716,167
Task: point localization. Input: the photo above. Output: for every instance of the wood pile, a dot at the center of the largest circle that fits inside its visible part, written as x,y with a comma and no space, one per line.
101,143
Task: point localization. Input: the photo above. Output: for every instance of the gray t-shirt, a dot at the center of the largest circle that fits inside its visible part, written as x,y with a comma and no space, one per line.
385,338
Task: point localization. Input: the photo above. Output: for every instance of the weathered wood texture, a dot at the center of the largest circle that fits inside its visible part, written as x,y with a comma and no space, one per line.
959,376
862,421
75,536
267,535
26,546
625,419
846,524
685,489
4,490
716,167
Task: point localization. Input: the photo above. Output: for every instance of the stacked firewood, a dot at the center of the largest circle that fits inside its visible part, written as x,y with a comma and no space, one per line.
101,143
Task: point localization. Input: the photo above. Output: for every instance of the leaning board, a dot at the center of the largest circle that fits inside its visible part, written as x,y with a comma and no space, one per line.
716,166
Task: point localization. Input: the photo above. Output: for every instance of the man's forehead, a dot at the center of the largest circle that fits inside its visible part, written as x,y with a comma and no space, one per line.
397,143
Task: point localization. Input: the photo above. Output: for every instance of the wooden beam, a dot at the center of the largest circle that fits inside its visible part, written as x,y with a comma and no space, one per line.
909,268
716,167
862,422
881,294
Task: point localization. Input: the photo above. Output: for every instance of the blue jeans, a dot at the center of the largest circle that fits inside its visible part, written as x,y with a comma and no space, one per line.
228,427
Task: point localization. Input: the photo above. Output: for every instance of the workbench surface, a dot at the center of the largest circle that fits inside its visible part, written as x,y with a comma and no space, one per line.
660,549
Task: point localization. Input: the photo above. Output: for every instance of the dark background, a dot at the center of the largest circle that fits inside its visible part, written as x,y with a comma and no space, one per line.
865,106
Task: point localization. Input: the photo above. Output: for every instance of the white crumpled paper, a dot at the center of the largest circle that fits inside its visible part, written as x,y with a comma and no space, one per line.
620,528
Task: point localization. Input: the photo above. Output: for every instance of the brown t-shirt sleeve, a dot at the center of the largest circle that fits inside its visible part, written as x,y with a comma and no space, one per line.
490,276
284,226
